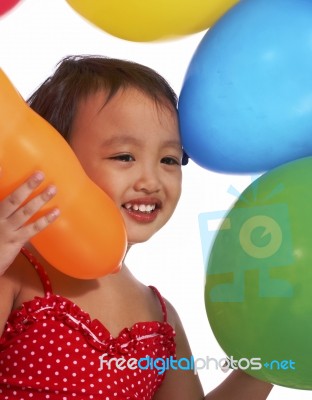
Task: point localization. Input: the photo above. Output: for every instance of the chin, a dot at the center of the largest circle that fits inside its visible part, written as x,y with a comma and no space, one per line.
132,242
140,234
137,239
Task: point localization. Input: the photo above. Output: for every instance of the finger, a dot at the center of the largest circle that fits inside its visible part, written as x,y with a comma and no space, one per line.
24,213
14,200
30,230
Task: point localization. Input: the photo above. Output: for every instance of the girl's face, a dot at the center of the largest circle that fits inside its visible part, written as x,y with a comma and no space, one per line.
131,148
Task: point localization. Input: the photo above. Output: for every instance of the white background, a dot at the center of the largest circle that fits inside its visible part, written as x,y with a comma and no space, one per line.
34,36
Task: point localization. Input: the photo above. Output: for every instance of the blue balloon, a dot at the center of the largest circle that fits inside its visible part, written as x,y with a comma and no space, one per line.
246,101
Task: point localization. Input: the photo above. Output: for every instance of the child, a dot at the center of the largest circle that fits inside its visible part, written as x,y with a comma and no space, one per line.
65,338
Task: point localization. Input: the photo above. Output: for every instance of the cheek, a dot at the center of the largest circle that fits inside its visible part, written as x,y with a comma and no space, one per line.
175,186
107,186
96,169
178,195
109,183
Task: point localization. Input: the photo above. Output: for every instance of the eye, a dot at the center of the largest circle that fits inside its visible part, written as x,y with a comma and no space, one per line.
123,157
170,161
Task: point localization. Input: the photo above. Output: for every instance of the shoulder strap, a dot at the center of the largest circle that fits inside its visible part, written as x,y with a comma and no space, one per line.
47,287
161,301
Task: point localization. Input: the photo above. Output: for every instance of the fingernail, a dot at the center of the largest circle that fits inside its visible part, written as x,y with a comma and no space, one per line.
53,214
56,212
38,176
35,180
51,190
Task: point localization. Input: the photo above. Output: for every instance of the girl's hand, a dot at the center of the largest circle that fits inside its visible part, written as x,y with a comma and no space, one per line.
14,232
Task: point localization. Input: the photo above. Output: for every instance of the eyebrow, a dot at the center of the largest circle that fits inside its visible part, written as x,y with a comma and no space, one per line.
120,140
116,140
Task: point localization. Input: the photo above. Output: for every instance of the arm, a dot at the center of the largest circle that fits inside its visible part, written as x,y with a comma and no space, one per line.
185,385
15,211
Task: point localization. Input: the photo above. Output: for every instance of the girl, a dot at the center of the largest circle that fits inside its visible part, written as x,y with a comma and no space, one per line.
65,338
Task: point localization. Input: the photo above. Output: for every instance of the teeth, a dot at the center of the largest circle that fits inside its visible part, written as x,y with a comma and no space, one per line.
146,208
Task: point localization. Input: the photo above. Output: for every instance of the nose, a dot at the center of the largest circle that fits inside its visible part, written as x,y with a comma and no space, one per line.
148,180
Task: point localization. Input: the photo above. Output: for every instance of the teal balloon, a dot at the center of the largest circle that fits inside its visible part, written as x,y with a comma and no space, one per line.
258,289
246,101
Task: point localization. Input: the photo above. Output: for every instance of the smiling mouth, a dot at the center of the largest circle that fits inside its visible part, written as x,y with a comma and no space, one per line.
140,208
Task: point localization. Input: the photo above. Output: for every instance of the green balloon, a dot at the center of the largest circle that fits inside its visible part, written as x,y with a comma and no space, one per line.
258,289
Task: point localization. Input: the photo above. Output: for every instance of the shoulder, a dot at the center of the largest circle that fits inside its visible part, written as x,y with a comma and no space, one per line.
172,315
179,383
174,320
183,348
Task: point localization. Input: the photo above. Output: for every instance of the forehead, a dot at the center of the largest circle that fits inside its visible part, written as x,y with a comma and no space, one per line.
103,97
129,111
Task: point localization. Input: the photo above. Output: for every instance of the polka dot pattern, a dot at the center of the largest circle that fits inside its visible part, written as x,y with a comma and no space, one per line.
51,349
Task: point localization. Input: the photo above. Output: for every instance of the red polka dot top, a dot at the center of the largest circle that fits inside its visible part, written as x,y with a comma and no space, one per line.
51,349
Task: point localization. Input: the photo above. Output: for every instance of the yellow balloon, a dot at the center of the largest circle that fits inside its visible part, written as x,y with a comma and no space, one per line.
148,20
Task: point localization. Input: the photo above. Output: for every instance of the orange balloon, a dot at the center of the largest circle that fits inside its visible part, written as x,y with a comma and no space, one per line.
88,239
